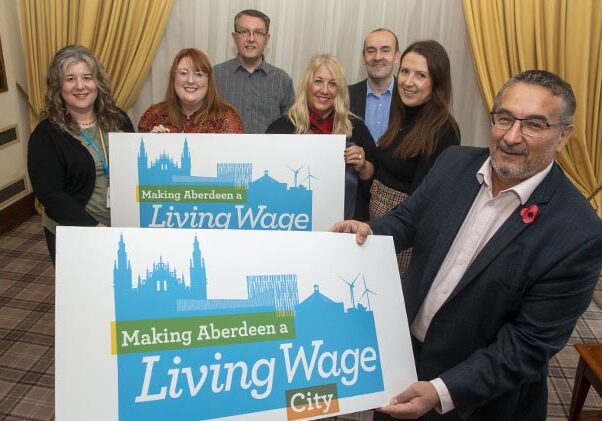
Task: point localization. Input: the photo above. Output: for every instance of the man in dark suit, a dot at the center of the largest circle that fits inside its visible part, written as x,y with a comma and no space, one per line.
370,99
506,254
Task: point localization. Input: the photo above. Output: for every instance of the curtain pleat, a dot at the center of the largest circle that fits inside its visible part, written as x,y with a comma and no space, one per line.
116,31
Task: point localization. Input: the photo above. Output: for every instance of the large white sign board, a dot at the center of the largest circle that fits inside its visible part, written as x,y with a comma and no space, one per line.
203,324
259,182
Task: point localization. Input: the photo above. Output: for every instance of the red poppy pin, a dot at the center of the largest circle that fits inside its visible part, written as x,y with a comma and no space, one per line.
529,213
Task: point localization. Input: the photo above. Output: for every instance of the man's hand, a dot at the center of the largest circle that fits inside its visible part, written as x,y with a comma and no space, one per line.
360,229
414,402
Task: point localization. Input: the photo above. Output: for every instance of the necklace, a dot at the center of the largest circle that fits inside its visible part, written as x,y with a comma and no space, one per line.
86,123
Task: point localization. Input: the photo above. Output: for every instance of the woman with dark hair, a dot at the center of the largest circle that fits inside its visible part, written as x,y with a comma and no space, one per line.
67,157
192,103
421,128
322,107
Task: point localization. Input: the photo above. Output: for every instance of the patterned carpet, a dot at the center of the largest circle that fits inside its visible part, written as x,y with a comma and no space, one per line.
27,334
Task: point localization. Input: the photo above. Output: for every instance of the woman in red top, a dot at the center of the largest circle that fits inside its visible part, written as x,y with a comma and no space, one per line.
192,103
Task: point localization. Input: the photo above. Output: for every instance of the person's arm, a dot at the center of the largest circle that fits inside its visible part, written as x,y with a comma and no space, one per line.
543,323
47,177
360,229
281,125
362,154
288,96
398,223
126,125
356,156
415,401
365,171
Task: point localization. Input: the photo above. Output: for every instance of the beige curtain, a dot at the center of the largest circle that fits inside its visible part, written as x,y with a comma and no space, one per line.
562,36
123,34
301,28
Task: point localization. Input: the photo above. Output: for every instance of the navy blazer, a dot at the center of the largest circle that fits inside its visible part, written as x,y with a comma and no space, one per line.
518,302
357,98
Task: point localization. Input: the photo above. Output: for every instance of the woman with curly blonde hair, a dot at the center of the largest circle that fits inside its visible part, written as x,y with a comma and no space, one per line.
67,158
322,107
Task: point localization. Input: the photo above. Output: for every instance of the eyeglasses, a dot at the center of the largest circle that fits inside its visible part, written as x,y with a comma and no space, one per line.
528,126
245,33
184,74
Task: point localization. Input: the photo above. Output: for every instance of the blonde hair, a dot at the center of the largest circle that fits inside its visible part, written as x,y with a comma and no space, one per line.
299,112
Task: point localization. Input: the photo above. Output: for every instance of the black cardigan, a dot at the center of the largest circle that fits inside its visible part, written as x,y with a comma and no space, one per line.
354,187
63,173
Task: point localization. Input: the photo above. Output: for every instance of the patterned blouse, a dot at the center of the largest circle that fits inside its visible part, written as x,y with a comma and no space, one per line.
156,115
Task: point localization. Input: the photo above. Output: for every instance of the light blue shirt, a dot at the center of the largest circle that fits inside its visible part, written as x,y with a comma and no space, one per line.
377,110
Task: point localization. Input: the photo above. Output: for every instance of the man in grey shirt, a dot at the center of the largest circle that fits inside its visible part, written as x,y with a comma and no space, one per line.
260,92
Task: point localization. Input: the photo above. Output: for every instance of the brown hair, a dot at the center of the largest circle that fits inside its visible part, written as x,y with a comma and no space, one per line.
255,14
108,116
213,105
422,137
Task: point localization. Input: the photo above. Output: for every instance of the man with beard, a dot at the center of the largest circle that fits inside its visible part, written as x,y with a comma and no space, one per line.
259,91
370,99
506,255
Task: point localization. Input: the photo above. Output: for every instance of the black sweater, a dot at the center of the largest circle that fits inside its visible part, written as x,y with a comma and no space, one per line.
405,175
62,173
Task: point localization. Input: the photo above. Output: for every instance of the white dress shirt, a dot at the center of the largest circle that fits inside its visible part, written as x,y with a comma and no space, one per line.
484,218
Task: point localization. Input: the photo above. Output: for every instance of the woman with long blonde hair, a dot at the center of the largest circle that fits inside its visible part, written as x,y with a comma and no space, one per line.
322,107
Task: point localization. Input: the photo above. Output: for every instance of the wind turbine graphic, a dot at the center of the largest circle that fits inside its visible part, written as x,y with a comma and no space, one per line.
351,286
309,177
366,292
295,173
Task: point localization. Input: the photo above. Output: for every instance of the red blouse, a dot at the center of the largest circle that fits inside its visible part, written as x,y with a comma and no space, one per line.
156,115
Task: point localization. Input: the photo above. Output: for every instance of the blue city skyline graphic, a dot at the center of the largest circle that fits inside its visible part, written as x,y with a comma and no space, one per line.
164,291
270,204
